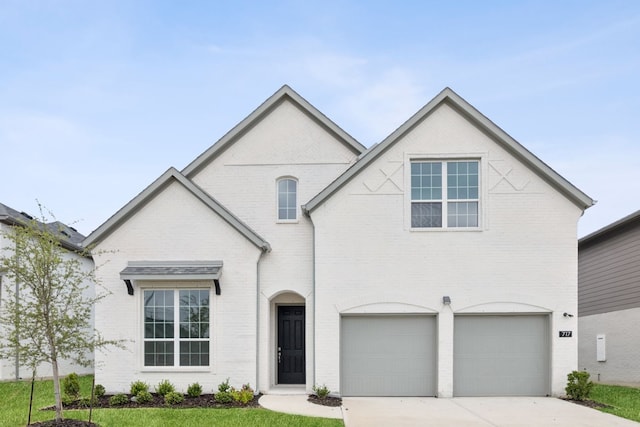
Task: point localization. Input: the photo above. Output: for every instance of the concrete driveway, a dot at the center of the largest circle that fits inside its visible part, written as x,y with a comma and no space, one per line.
473,412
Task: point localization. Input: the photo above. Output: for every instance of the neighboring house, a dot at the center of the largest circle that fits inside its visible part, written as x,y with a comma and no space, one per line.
437,263
609,302
70,240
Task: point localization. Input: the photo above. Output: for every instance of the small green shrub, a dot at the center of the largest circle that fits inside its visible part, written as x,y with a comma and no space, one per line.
99,390
67,400
321,391
143,396
71,386
224,386
165,387
86,402
173,398
194,390
223,397
244,395
137,387
118,399
578,385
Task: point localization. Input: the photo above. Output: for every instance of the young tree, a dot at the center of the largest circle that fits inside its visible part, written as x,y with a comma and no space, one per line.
50,318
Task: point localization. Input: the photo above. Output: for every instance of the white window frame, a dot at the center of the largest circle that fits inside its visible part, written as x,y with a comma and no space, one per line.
297,214
176,287
444,158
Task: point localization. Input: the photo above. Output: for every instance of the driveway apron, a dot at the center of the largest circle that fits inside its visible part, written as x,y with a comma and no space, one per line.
474,412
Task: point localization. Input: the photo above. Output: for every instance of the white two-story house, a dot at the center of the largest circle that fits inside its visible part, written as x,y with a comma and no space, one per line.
439,262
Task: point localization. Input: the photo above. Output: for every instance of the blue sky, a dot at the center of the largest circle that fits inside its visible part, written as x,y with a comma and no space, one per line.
99,98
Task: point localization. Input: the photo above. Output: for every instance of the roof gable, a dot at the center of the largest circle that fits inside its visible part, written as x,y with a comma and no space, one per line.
452,99
173,175
285,93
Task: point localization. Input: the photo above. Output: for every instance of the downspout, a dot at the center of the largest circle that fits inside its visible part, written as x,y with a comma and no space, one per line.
262,252
313,293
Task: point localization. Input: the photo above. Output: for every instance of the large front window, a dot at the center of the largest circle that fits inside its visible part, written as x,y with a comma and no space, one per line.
444,194
176,327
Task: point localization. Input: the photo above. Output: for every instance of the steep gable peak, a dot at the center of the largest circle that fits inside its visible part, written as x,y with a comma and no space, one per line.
170,176
456,102
284,94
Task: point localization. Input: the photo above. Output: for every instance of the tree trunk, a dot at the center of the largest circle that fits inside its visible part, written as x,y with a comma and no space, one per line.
56,389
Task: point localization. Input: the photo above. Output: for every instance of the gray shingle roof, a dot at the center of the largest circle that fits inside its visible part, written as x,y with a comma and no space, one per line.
69,237
158,270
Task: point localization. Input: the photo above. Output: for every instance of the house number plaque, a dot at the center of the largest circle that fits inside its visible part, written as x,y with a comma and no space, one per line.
566,334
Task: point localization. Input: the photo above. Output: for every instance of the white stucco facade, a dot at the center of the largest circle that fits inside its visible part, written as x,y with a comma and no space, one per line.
351,251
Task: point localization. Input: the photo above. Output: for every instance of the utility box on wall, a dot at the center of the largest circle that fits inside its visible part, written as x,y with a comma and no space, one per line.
601,352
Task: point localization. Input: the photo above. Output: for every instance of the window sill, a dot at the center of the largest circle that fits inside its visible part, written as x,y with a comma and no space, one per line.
445,230
185,369
291,221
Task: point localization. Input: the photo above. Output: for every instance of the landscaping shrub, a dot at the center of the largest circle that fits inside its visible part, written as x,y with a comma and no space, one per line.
321,391
224,386
137,387
223,397
244,395
99,390
71,386
143,396
578,385
173,398
224,392
85,402
194,390
67,400
165,387
118,399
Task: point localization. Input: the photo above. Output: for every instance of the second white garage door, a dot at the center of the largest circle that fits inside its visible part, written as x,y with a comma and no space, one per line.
388,355
501,355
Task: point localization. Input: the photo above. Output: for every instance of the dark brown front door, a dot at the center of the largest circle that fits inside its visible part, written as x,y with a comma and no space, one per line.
291,365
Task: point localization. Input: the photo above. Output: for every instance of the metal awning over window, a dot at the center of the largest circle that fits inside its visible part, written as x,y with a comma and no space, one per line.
172,270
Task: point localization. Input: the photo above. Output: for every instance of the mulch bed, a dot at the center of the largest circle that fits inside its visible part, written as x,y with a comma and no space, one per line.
202,401
588,403
327,401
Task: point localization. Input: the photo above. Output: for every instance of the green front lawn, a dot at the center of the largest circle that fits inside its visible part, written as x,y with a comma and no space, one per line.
14,407
624,401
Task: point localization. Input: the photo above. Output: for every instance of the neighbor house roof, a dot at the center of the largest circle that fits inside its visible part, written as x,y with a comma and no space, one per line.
170,176
631,220
452,99
284,93
69,237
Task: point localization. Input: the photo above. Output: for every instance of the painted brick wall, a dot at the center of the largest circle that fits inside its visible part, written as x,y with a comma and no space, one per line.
622,343
177,226
523,260
285,143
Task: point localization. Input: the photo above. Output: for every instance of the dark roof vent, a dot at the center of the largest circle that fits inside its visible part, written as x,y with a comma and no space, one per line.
26,215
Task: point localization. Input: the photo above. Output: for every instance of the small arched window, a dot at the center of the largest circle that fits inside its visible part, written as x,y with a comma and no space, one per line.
287,199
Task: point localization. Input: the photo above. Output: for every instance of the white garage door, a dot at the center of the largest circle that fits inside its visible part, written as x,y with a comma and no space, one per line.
388,355
501,356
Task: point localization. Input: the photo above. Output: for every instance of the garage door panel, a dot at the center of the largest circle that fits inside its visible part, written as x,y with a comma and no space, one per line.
501,355
388,355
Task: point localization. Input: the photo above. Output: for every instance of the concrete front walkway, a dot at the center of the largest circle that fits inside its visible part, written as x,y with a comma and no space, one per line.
298,404
473,412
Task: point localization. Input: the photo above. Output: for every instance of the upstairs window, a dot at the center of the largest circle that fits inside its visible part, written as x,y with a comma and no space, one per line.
445,194
287,199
